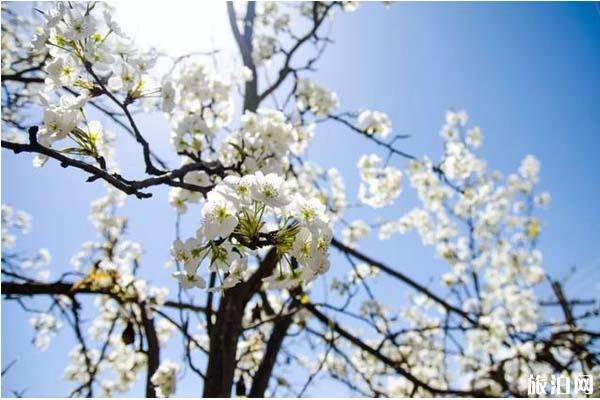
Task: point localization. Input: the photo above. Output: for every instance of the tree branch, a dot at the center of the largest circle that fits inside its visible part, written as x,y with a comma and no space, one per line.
153,350
392,272
383,358
263,374
10,289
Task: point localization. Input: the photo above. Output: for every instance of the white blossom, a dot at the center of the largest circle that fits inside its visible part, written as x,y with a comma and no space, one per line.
165,379
374,123
314,98
379,186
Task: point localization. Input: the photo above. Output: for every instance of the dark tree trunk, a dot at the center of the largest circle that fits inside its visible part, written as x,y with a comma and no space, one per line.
153,350
265,370
223,345
225,333
227,329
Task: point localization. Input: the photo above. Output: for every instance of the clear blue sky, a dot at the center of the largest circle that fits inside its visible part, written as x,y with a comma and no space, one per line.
528,74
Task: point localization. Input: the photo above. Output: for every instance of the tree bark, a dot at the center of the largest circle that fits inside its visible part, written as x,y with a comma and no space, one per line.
261,379
227,330
153,350
244,42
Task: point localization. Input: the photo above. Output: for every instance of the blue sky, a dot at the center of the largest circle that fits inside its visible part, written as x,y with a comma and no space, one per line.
528,74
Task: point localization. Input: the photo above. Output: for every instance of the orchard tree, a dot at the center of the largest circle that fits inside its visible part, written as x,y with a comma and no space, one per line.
271,220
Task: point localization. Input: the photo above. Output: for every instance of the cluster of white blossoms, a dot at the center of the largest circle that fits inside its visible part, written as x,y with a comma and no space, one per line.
459,162
180,197
350,6
314,98
269,22
362,271
272,22
262,142
374,123
13,221
337,193
111,264
45,326
127,364
79,358
379,186
19,222
198,103
86,55
165,379
113,257
264,48
482,225
122,359
529,169
327,185
355,231
243,214
262,145
270,15
17,30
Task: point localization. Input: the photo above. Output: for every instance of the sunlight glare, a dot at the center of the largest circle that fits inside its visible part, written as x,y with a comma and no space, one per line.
177,27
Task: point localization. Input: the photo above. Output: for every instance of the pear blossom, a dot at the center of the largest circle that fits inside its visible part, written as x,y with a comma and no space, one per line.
237,274
60,121
269,189
474,137
189,281
374,123
237,190
63,71
225,258
379,186
112,25
310,213
189,253
165,378
543,199
76,25
124,80
219,217
264,48
46,326
314,98
530,168
355,231
456,117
